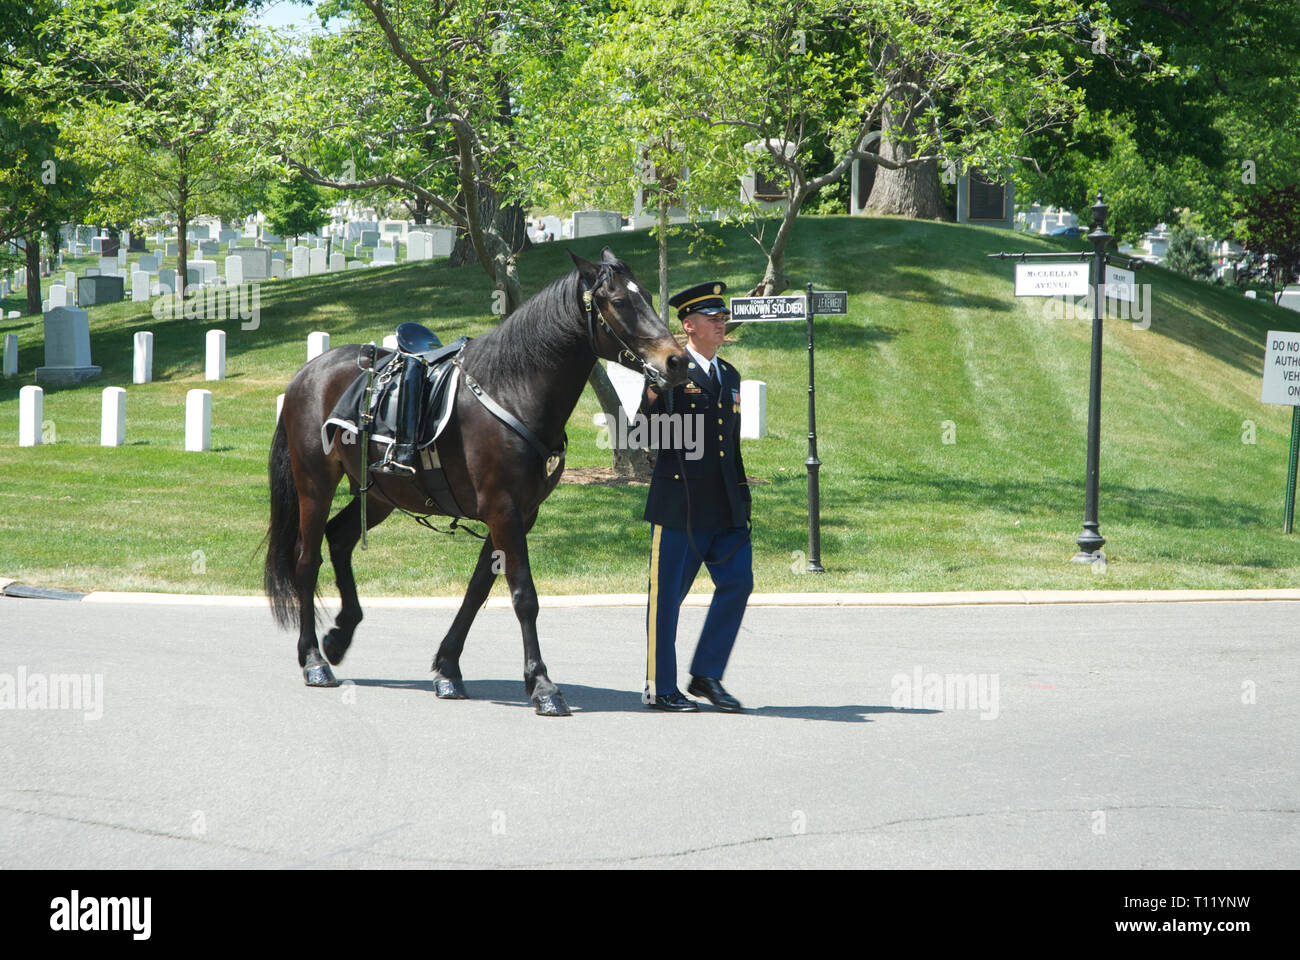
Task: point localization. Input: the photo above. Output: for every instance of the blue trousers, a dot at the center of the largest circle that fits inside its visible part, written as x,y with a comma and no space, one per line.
673,566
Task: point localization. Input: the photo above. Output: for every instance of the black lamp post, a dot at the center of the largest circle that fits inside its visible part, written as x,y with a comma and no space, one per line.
1090,541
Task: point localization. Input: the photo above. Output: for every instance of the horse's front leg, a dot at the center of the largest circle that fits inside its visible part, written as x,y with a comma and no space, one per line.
447,682
512,535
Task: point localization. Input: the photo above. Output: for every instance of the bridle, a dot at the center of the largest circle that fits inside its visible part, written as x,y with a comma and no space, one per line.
593,313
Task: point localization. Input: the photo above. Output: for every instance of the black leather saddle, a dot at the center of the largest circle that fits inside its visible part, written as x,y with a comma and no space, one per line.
419,341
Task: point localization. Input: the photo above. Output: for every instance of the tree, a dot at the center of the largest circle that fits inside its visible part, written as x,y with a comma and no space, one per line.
143,89
296,206
963,84
40,185
1270,229
1188,255
1219,117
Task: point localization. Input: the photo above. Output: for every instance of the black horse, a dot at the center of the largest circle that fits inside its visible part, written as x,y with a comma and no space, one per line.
534,364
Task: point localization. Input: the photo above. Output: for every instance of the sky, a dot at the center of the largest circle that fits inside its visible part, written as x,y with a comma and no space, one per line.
282,14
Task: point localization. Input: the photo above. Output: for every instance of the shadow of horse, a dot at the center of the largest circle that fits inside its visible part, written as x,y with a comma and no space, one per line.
608,700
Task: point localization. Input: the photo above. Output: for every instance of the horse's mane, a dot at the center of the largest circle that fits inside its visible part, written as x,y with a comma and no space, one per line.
537,336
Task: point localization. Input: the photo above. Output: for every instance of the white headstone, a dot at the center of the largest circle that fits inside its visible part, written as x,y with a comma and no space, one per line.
444,239
31,411
317,343
277,269
356,265
385,255
316,260
142,362
591,223
279,405
628,385
338,261
390,341
121,257
108,267
11,355
96,244
198,420
140,286
59,295
234,271
216,365
206,270
67,347
301,263
753,409
70,281
166,280
1251,294
112,420
419,246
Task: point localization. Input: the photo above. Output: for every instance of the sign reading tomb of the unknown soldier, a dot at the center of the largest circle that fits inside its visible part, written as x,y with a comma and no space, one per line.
1282,368
1053,279
768,308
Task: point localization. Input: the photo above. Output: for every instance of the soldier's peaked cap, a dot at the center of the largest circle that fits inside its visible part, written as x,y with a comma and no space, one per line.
703,298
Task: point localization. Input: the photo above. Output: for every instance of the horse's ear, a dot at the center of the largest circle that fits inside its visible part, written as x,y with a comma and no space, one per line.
586,269
607,256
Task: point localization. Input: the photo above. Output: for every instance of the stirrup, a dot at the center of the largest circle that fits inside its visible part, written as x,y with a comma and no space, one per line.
390,465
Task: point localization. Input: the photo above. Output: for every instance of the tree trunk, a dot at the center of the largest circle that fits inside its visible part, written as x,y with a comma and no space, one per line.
663,261
774,279
912,191
182,226
33,253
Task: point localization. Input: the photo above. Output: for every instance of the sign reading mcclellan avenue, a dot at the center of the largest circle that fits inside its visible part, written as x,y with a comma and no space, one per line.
1053,279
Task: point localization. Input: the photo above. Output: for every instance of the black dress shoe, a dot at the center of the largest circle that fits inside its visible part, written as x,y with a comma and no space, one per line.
673,702
712,691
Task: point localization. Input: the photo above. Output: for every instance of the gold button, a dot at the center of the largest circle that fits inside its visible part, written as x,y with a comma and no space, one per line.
676,477
721,453
719,436
719,405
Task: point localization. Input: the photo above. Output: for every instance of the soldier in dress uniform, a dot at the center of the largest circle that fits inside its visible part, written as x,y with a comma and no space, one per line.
699,510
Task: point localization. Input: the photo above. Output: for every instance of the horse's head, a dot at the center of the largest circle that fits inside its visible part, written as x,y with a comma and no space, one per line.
624,325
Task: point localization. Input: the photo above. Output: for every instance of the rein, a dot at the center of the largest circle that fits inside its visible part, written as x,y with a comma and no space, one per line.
592,311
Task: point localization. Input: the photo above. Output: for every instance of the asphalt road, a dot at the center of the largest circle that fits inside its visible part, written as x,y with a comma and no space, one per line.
1160,735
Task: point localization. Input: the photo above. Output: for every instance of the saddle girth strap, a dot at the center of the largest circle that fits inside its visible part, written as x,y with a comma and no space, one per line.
550,458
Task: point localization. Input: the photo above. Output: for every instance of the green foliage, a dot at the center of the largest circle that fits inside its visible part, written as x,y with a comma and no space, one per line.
294,207
1188,254
1270,228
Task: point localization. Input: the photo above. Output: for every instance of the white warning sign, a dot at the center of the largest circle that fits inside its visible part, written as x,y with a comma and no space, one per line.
1282,368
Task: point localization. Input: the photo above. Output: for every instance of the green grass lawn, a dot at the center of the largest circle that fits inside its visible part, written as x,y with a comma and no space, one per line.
933,335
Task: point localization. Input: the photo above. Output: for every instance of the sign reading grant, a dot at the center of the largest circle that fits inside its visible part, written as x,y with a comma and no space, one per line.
1282,368
1053,279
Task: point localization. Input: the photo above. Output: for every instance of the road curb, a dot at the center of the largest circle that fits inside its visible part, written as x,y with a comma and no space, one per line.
702,599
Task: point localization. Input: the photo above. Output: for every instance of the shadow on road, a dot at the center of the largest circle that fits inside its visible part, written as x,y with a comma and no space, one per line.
584,699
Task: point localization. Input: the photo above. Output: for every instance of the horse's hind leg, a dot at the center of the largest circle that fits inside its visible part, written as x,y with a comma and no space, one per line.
342,533
447,682
313,511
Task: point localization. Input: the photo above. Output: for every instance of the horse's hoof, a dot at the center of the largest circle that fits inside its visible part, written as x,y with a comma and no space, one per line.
334,649
551,705
319,675
448,689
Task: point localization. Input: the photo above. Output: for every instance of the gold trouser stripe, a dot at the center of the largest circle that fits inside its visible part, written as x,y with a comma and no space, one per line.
652,621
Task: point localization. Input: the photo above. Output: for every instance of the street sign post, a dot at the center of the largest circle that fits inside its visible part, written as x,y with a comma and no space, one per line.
1057,274
1282,386
768,309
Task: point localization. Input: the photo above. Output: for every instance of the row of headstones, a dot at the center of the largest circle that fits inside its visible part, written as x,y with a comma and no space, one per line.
112,431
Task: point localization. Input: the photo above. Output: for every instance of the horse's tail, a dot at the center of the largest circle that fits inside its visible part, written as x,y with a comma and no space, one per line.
282,537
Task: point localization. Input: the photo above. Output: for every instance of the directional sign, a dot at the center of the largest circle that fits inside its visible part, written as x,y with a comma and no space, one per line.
1281,368
830,301
1120,284
768,308
1053,279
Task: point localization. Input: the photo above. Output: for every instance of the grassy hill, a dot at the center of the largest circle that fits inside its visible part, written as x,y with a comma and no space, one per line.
933,335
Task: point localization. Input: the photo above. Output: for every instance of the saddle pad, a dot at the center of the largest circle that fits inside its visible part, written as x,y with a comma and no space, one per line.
440,402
